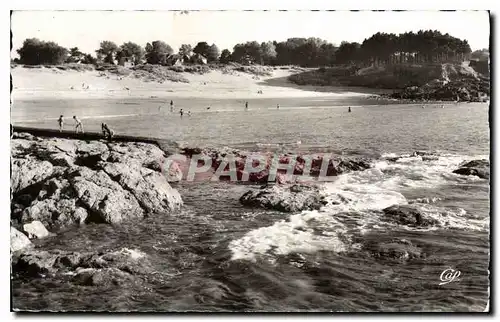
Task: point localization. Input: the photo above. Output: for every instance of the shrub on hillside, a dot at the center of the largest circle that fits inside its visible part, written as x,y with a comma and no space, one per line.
257,70
77,67
36,52
156,73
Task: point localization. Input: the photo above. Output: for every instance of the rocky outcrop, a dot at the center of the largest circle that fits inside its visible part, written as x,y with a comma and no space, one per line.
35,229
18,240
86,268
400,250
480,168
28,172
149,188
467,89
285,198
61,182
320,165
408,215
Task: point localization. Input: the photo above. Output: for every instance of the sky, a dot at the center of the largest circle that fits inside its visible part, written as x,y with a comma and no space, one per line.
86,29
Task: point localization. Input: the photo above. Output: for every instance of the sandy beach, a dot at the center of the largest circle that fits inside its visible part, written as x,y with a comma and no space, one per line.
50,83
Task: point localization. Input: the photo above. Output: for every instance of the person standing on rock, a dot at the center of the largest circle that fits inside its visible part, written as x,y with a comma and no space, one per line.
61,123
106,131
349,109
78,125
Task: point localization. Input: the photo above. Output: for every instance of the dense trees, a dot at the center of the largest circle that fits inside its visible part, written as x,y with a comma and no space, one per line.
423,47
225,56
36,52
131,52
212,54
157,52
75,55
185,50
107,51
428,46
481,55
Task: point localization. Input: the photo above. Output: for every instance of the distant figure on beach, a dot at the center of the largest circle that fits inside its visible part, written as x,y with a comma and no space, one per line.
278,106
246,105
181,112
61,123
106,131
83,85
78,125
171,106
189,113
208,107
423,106
349,109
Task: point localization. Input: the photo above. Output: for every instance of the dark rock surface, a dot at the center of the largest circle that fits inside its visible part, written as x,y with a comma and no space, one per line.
335,165
83,266
286,198
480,168
396,249
408,215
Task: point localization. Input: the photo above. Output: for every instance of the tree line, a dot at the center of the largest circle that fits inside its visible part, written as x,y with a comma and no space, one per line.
381,48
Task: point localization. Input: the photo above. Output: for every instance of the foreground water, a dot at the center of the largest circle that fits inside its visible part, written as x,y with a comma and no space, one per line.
216,255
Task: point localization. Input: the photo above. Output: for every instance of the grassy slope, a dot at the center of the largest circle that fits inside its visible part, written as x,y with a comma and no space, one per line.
434,81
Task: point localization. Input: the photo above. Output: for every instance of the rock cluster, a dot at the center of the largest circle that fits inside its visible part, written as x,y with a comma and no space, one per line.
60,182
286,198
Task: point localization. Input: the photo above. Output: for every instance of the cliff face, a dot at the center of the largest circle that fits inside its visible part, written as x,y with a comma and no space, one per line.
61,182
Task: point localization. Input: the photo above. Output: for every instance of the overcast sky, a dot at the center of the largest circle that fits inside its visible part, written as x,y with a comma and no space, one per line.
85,29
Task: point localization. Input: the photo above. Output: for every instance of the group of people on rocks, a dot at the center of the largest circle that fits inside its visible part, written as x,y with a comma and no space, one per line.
106,131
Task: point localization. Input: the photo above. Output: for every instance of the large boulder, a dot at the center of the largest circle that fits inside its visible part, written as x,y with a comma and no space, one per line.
409,215
102,277
105,199
28,172
36,262
35,229
480,168
149,187
56,205
144,154
76,181
285,198
18,240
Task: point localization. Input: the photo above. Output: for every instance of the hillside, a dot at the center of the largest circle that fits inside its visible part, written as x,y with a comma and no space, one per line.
77,81
417,82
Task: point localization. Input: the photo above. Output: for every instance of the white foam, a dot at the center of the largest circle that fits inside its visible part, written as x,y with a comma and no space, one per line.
356,201
133,253
285,237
